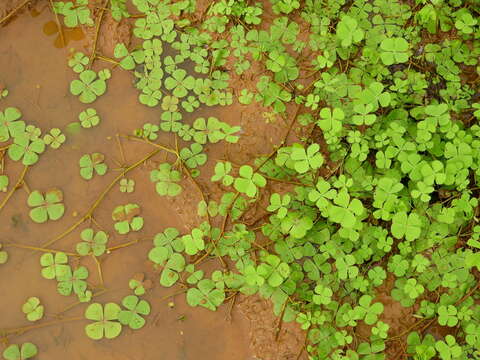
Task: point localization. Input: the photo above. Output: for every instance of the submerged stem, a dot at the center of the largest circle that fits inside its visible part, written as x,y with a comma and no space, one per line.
14,11
100,198
29,247
12,190
21,330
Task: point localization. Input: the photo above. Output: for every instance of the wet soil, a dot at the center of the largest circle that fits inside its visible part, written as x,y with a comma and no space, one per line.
34,69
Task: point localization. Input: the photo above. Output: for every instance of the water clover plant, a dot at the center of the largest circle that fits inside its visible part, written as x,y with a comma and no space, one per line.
362,202
54,266
193,156
15,352
166,179
135,308
206,294
139,284
26,150
75,13
88,86
10,124
91,164
127,185
55,138
78,61
179,82
248,181
92,243
89,118
73,280
46,206
394,51
33,309
105,323
126,218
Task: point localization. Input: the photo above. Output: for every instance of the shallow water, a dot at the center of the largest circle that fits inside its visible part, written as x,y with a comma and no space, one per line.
35,72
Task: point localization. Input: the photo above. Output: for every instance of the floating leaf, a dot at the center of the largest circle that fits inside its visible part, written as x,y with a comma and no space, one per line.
135,309
92,243
92,163
48,206
14,352
105,324
126,218
33,309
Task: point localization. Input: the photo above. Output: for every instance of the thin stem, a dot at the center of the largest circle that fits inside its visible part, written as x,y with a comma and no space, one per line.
122,153
59,25
99,269
121,246
107,59
97,31
172,295
14,11
97,202
21,246
71,306
17,185
146,141
21,330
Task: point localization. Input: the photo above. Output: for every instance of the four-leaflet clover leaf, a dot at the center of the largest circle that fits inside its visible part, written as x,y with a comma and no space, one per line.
92,243
193,156
135,309
394,51
279,204
222,172
166,179
194,242
78,61
248,181
448,349
408,226
306,159
346,210
273,270
89,118
368,311
127,185
73,281
88,86
139,285
180,82
55,139
25,149
74,13
10,125
33,309
323,295
92,163
126,218
412,288
105,324
15,352
447,315
54,266
206,294
48,206
331,120
348,31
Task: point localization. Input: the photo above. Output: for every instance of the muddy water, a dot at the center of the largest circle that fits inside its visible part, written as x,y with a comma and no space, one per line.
35,72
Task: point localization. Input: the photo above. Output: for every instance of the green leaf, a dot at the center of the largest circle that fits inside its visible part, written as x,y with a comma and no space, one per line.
408,226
